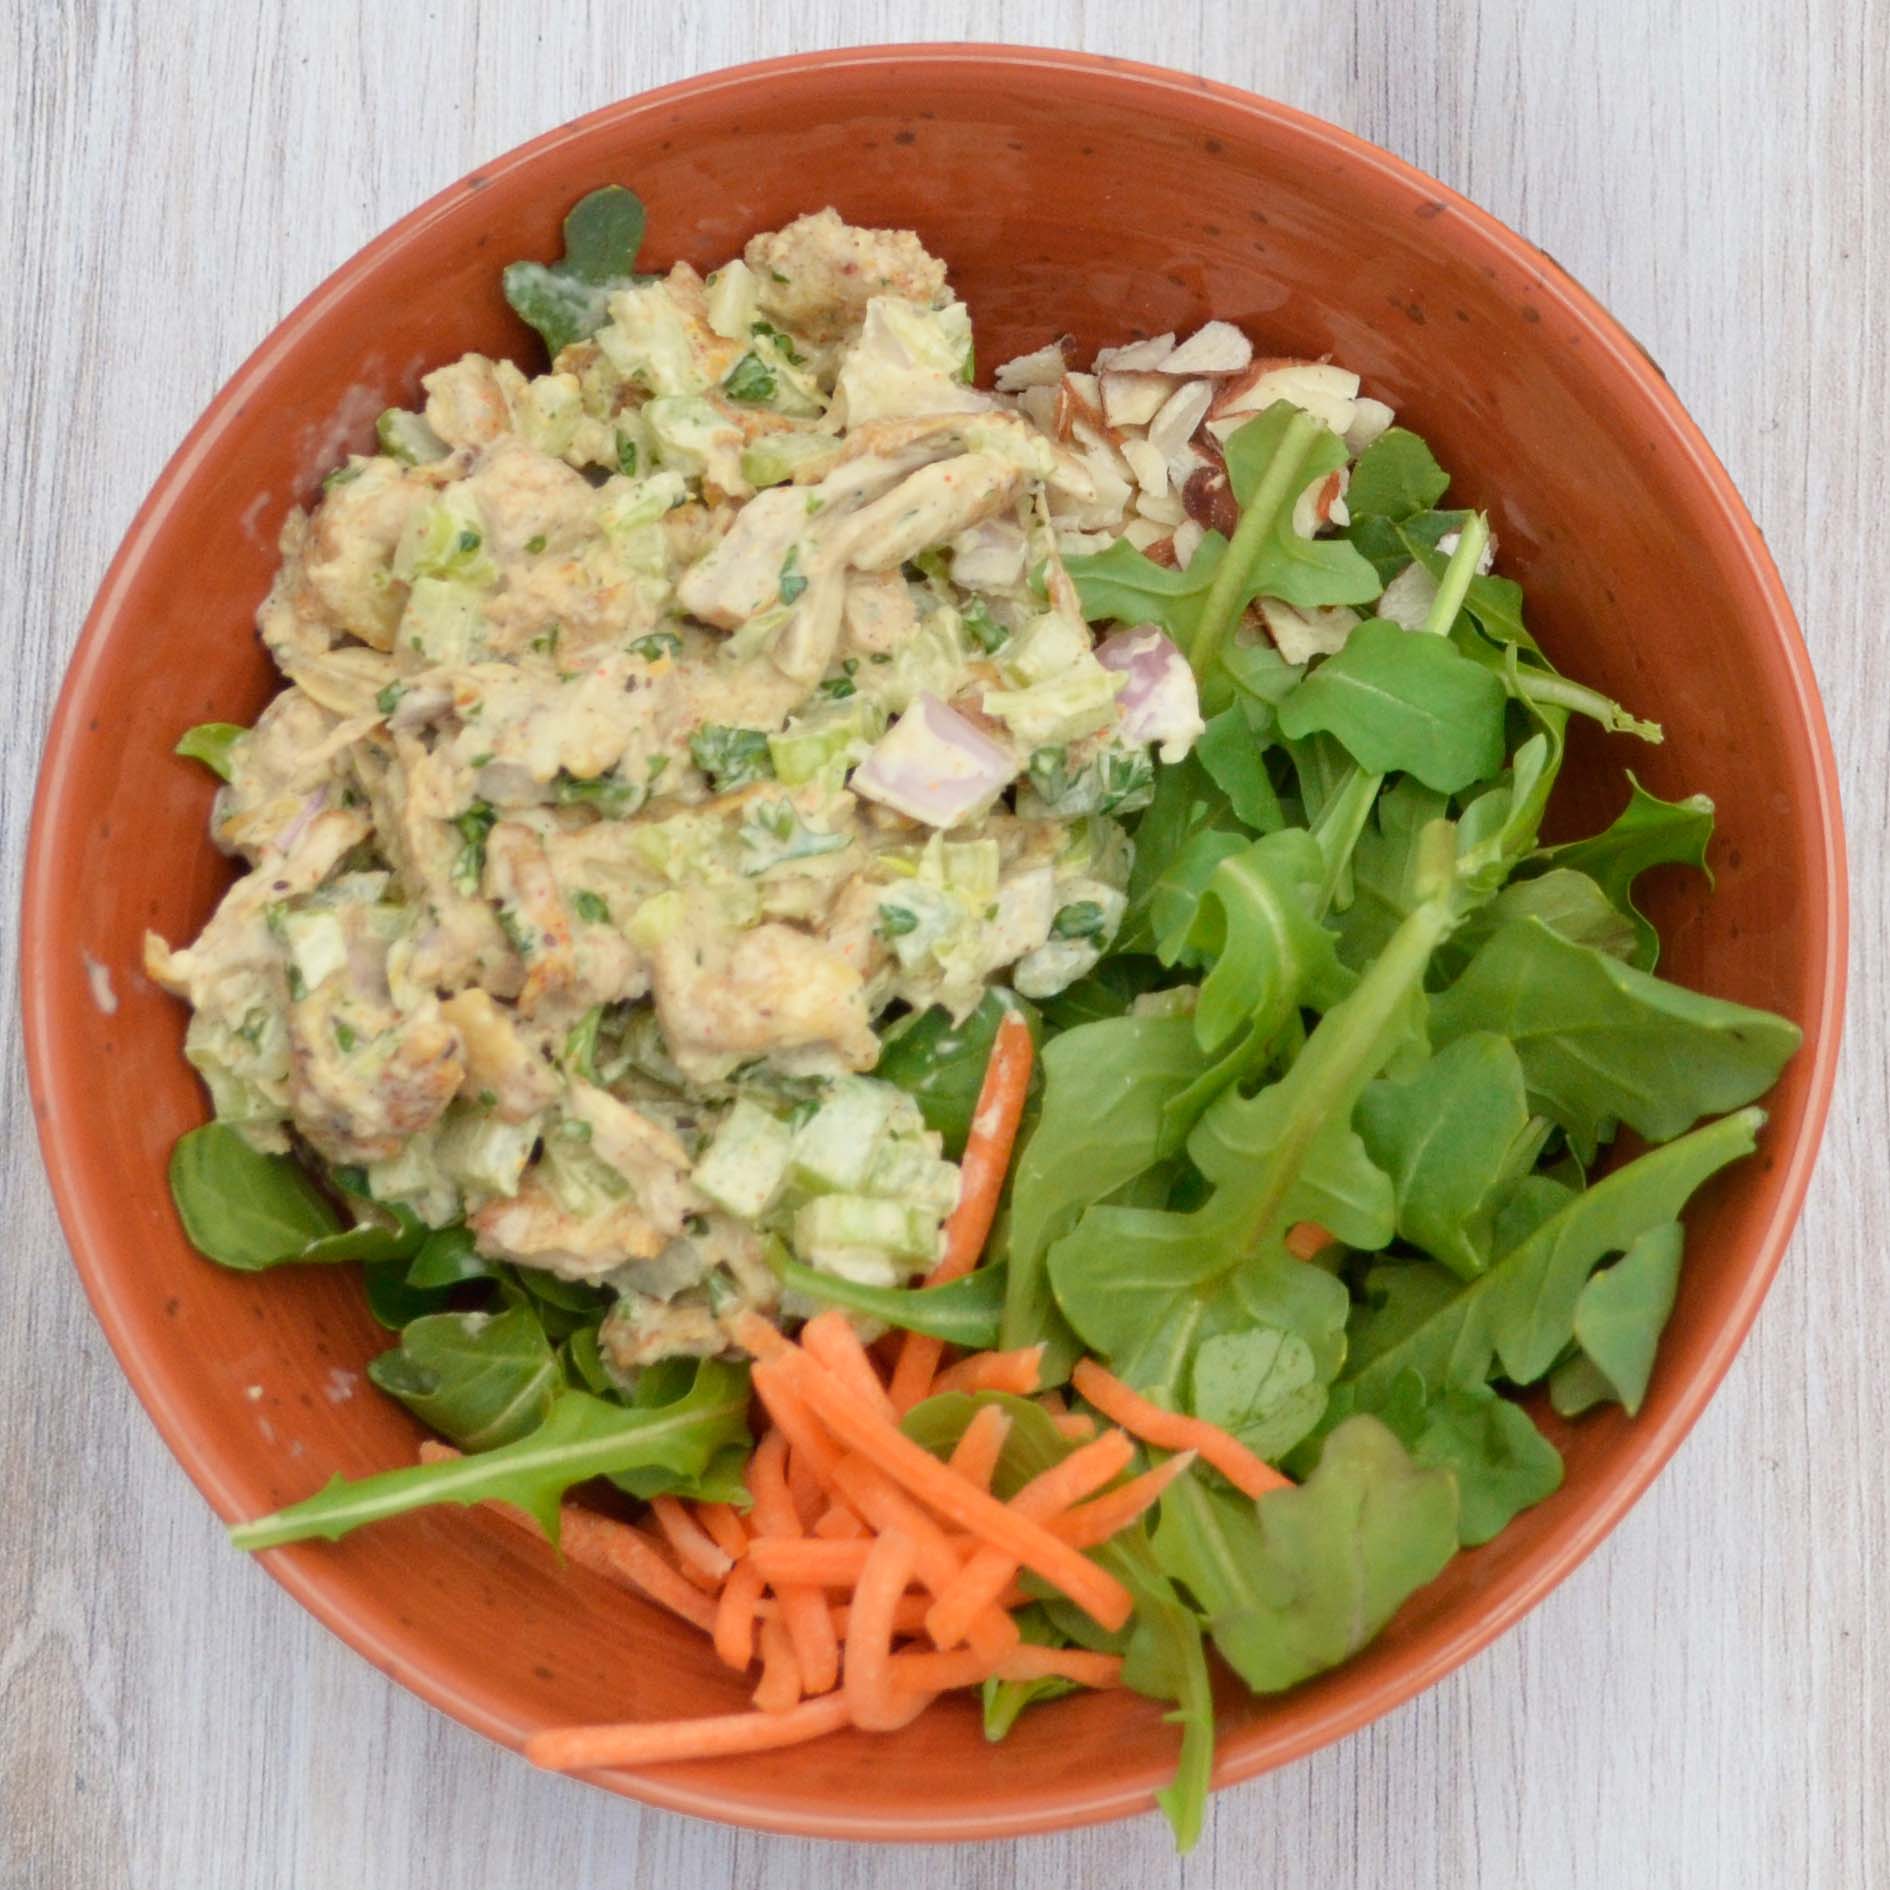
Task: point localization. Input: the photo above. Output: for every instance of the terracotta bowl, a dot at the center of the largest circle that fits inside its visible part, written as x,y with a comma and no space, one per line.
1067,193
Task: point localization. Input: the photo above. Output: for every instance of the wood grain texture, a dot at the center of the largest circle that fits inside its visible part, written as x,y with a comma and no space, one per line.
1704,1705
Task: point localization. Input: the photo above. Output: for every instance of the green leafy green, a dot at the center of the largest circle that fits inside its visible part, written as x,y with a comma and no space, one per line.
1121,585
962,1312
480,1379
1402,702
941,1065
581,1437
213,744
1302,1579
1394,477
1621,1312
569,300
1262,1384
1648,832
247,1210
1234,759
1601,1042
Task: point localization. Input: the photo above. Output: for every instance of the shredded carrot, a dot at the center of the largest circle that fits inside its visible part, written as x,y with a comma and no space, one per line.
694,1550
1085,1470
723,1525
803,1609
975,1455
839,1524
987,1160
804,1559
1174,1431
829,1335
1305,1240
991,1633
780,1685
886,1506
937,1672
1089,1524
1015,1372
791,1416
655,1742
735,1610
870,1697
908,1615
608,1548
854,1422
804,1487
1075,1424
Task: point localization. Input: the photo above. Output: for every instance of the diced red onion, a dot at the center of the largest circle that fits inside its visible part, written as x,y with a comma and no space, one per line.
300,821
934,765
1159,703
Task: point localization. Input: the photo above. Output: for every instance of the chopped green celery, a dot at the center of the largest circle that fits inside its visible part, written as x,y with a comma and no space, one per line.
443,621
1048,646
916,918
929,662
776,458
691,435
819,740
647,340
732,297
415,1179
744,1166
316,945
834,1148
407,437
905,1169
967,867
581,1181
1075,704
483,1153
855,1220
547,412
626,504
446,539
221,1056
657,919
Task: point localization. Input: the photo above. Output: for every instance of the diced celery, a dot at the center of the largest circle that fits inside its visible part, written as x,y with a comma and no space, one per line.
484,1153
906,1169
647,340
1048,646
1077,703
842,735
316,944
731,297
970,869
415,1179
407,437
743,1168
446,539
443,621
835,1146
693,437
776,458
548,412
854,1220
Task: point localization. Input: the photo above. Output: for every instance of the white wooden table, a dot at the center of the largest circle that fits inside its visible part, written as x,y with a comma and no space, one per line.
1706,1705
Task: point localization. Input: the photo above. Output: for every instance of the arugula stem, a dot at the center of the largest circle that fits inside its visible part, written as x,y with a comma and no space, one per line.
1337,829
1278,488
1454,586
1540,688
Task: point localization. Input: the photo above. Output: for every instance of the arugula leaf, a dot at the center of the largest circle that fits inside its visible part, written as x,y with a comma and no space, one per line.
569,300
1406,703
1422,1318
941,1065
1648,832
1308,572
1261,1384
1005,1700
961,1312
1121,585
1502,1464
1234,760
1395,476
247,1210
1166,907
212,743
1623,1309
1570,904
1601,1042
581,1437
449,1257
480,1379
1454,1139
1302,1579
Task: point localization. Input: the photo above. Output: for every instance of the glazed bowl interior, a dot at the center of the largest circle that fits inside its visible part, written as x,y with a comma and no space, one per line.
1068,195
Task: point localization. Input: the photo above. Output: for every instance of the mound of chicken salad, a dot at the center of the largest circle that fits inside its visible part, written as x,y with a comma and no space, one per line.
766,836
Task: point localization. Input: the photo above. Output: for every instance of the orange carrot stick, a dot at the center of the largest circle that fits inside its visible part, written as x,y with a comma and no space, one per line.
908,1615
1016,1372
608,1548
885,1506
804,1488
870,1698
780,1685
735,1616
854,1422
1305,1240
1089,1524
803,1608
829,1335
1084,1470
839,1524
694,1550
975,1455
723,1525
1075,1424
1174,1431
981,1174
791,1415
655,1742
779,1559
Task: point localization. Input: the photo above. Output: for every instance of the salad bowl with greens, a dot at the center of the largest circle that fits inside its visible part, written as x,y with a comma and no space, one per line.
884,948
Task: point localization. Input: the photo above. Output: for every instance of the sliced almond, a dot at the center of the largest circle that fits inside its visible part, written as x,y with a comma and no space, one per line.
1184,410
1143,532
1165,511
1406,600
1075,544
1302,634
1217,348
1314,507
1039,405
1043,368
1137,355
1326,392
1132,400
1369,419
1486,558
1187,541
1148,465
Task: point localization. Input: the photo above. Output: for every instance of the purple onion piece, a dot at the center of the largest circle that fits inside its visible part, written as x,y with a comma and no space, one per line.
1159,703
934,765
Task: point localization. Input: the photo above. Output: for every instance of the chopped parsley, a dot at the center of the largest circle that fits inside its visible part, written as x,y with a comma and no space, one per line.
896,921
470,865
389,697
984,629
731,757
610,794
1082,918
750,380
657,645
626,454
793,583
535,543
345,1035
784,344
589,907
